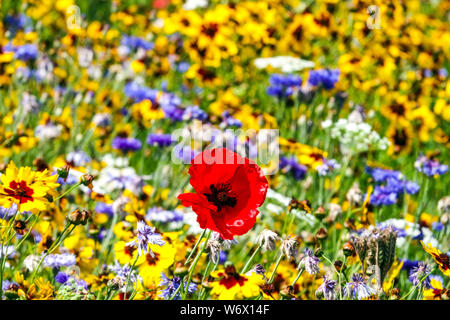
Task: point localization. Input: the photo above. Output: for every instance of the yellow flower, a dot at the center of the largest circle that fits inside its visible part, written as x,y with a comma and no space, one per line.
440,258
231,285
123,253
26,188
150,267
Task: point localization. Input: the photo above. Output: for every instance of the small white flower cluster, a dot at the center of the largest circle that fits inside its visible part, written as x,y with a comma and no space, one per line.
284,63
355,137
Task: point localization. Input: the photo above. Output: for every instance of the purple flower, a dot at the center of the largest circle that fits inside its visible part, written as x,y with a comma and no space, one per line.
325,77
161,215
171,286
126,144
62,277
291,165
358,288
102,207
60,260
159,139
134,43
283,85
430,167
418,273
26,52
194,112
310,262
327,289
146,235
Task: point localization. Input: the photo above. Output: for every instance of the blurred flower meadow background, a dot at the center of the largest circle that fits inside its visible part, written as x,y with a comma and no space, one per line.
98,199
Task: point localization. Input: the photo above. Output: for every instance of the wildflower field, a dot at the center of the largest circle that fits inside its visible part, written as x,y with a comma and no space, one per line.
206,149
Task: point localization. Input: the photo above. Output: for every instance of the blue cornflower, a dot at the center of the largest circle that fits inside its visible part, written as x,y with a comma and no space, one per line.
60,260
146,235
358,288
134,43
138,92
102,207
126,144
430,167
417,273
78,158
62,277
194,112
325,77
291,165
26,52
159,139
162,215
183,67
283,85
229,121
327,289
171,285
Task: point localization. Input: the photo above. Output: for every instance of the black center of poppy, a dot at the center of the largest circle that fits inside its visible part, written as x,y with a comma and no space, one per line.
221,196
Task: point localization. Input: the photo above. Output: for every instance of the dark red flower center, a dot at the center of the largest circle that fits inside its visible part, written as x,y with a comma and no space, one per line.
231,278
20,191
221,196
152,260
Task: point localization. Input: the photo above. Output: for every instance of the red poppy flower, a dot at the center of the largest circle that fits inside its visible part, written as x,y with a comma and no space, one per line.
229,189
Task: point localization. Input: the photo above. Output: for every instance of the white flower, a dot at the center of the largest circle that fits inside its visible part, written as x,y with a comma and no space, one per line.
194,4
285,63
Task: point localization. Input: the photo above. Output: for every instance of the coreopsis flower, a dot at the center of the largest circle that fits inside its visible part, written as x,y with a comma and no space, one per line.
150,267
232,285
440,258
327,289
310,262
358,288
229,189
26,188
146,236
266,239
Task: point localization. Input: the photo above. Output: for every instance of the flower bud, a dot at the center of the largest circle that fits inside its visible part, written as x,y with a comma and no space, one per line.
86,180
287,292
63,172
180,270
348,249
338,265
78,217
321,234
116,283
319,213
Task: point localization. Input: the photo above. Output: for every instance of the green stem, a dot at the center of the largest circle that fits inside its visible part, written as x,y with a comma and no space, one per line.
195,247
244,270
298,276
276,267
194,263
